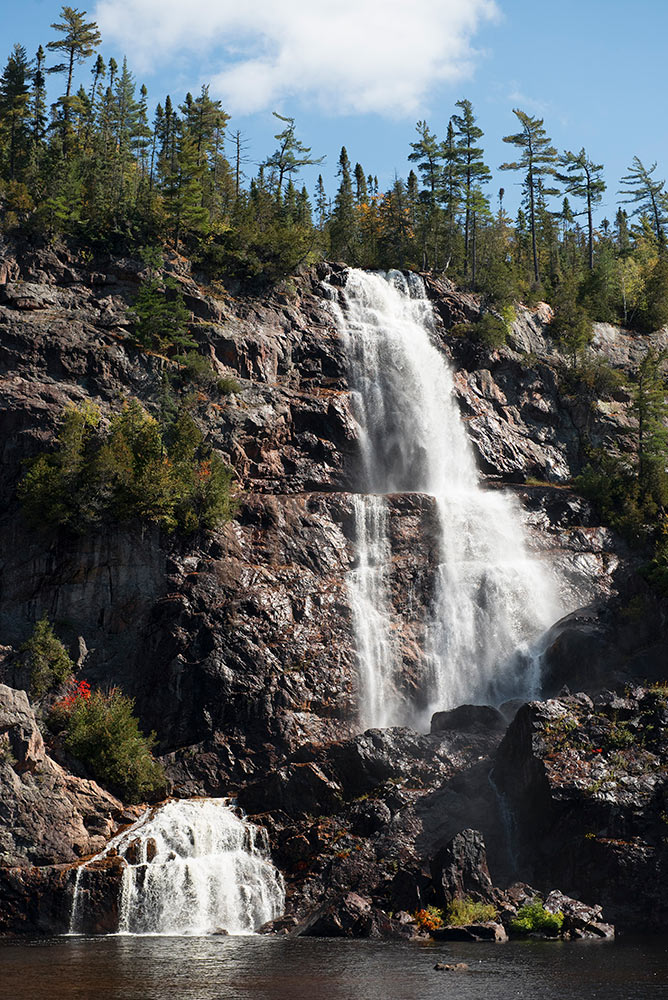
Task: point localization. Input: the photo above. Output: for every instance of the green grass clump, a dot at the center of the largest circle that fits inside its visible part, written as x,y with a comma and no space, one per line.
465,911
533,918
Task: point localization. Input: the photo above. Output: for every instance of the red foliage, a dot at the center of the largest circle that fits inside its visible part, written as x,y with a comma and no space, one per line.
80,690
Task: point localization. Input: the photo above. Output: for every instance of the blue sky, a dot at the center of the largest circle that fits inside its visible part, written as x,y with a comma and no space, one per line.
360,73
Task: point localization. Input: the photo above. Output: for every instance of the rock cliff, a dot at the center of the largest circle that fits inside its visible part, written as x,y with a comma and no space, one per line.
237,645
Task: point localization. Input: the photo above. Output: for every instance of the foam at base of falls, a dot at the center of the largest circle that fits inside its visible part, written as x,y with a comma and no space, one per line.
192,867
492,598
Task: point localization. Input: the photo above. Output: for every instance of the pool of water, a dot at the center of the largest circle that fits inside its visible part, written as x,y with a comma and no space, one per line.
241,968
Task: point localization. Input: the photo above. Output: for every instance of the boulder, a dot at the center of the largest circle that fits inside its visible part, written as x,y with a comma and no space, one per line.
460,869
468,717
583,781
349,915
297,789
580,919
490,930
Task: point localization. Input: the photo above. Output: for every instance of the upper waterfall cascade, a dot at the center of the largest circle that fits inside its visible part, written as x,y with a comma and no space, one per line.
192,867
492,599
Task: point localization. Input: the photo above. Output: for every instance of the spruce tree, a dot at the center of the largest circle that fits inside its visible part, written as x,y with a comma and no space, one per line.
361,190
451,185
650,408
38,110
428,154
321,203
343,216
14,106
471,168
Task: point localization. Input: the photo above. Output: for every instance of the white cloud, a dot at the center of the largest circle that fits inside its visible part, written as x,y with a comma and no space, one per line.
346,56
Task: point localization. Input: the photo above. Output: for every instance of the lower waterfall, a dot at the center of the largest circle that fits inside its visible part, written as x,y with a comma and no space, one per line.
192,867
492,599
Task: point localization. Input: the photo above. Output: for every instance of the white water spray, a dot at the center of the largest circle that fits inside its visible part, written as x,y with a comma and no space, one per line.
193,867
492,599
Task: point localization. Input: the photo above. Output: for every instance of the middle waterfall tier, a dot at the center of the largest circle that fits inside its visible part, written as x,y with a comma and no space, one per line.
490,598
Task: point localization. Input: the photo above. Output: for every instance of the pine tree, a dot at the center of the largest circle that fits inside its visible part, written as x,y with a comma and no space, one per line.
80,40
583,180
290,155
239,158
361,190
650,408
183,192
646,194
451,186
538,159
38,112
321,204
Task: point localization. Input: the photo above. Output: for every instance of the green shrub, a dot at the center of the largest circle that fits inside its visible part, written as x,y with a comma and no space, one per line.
197,369
490,330
533,918
592,379
6,755
131,472
102,732
465,911
46,658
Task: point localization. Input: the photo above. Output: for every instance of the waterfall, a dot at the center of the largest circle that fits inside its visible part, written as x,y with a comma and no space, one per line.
368,587
192,867
491,598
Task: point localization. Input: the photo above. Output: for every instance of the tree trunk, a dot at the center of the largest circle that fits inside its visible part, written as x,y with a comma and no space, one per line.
532,217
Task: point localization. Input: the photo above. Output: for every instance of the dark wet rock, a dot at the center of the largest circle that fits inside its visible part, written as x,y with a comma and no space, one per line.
350,915
467,717
451,967
460,869
370,817
487,931
99,896
283,925
581,652
586,784
38,899
296,790
35,900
